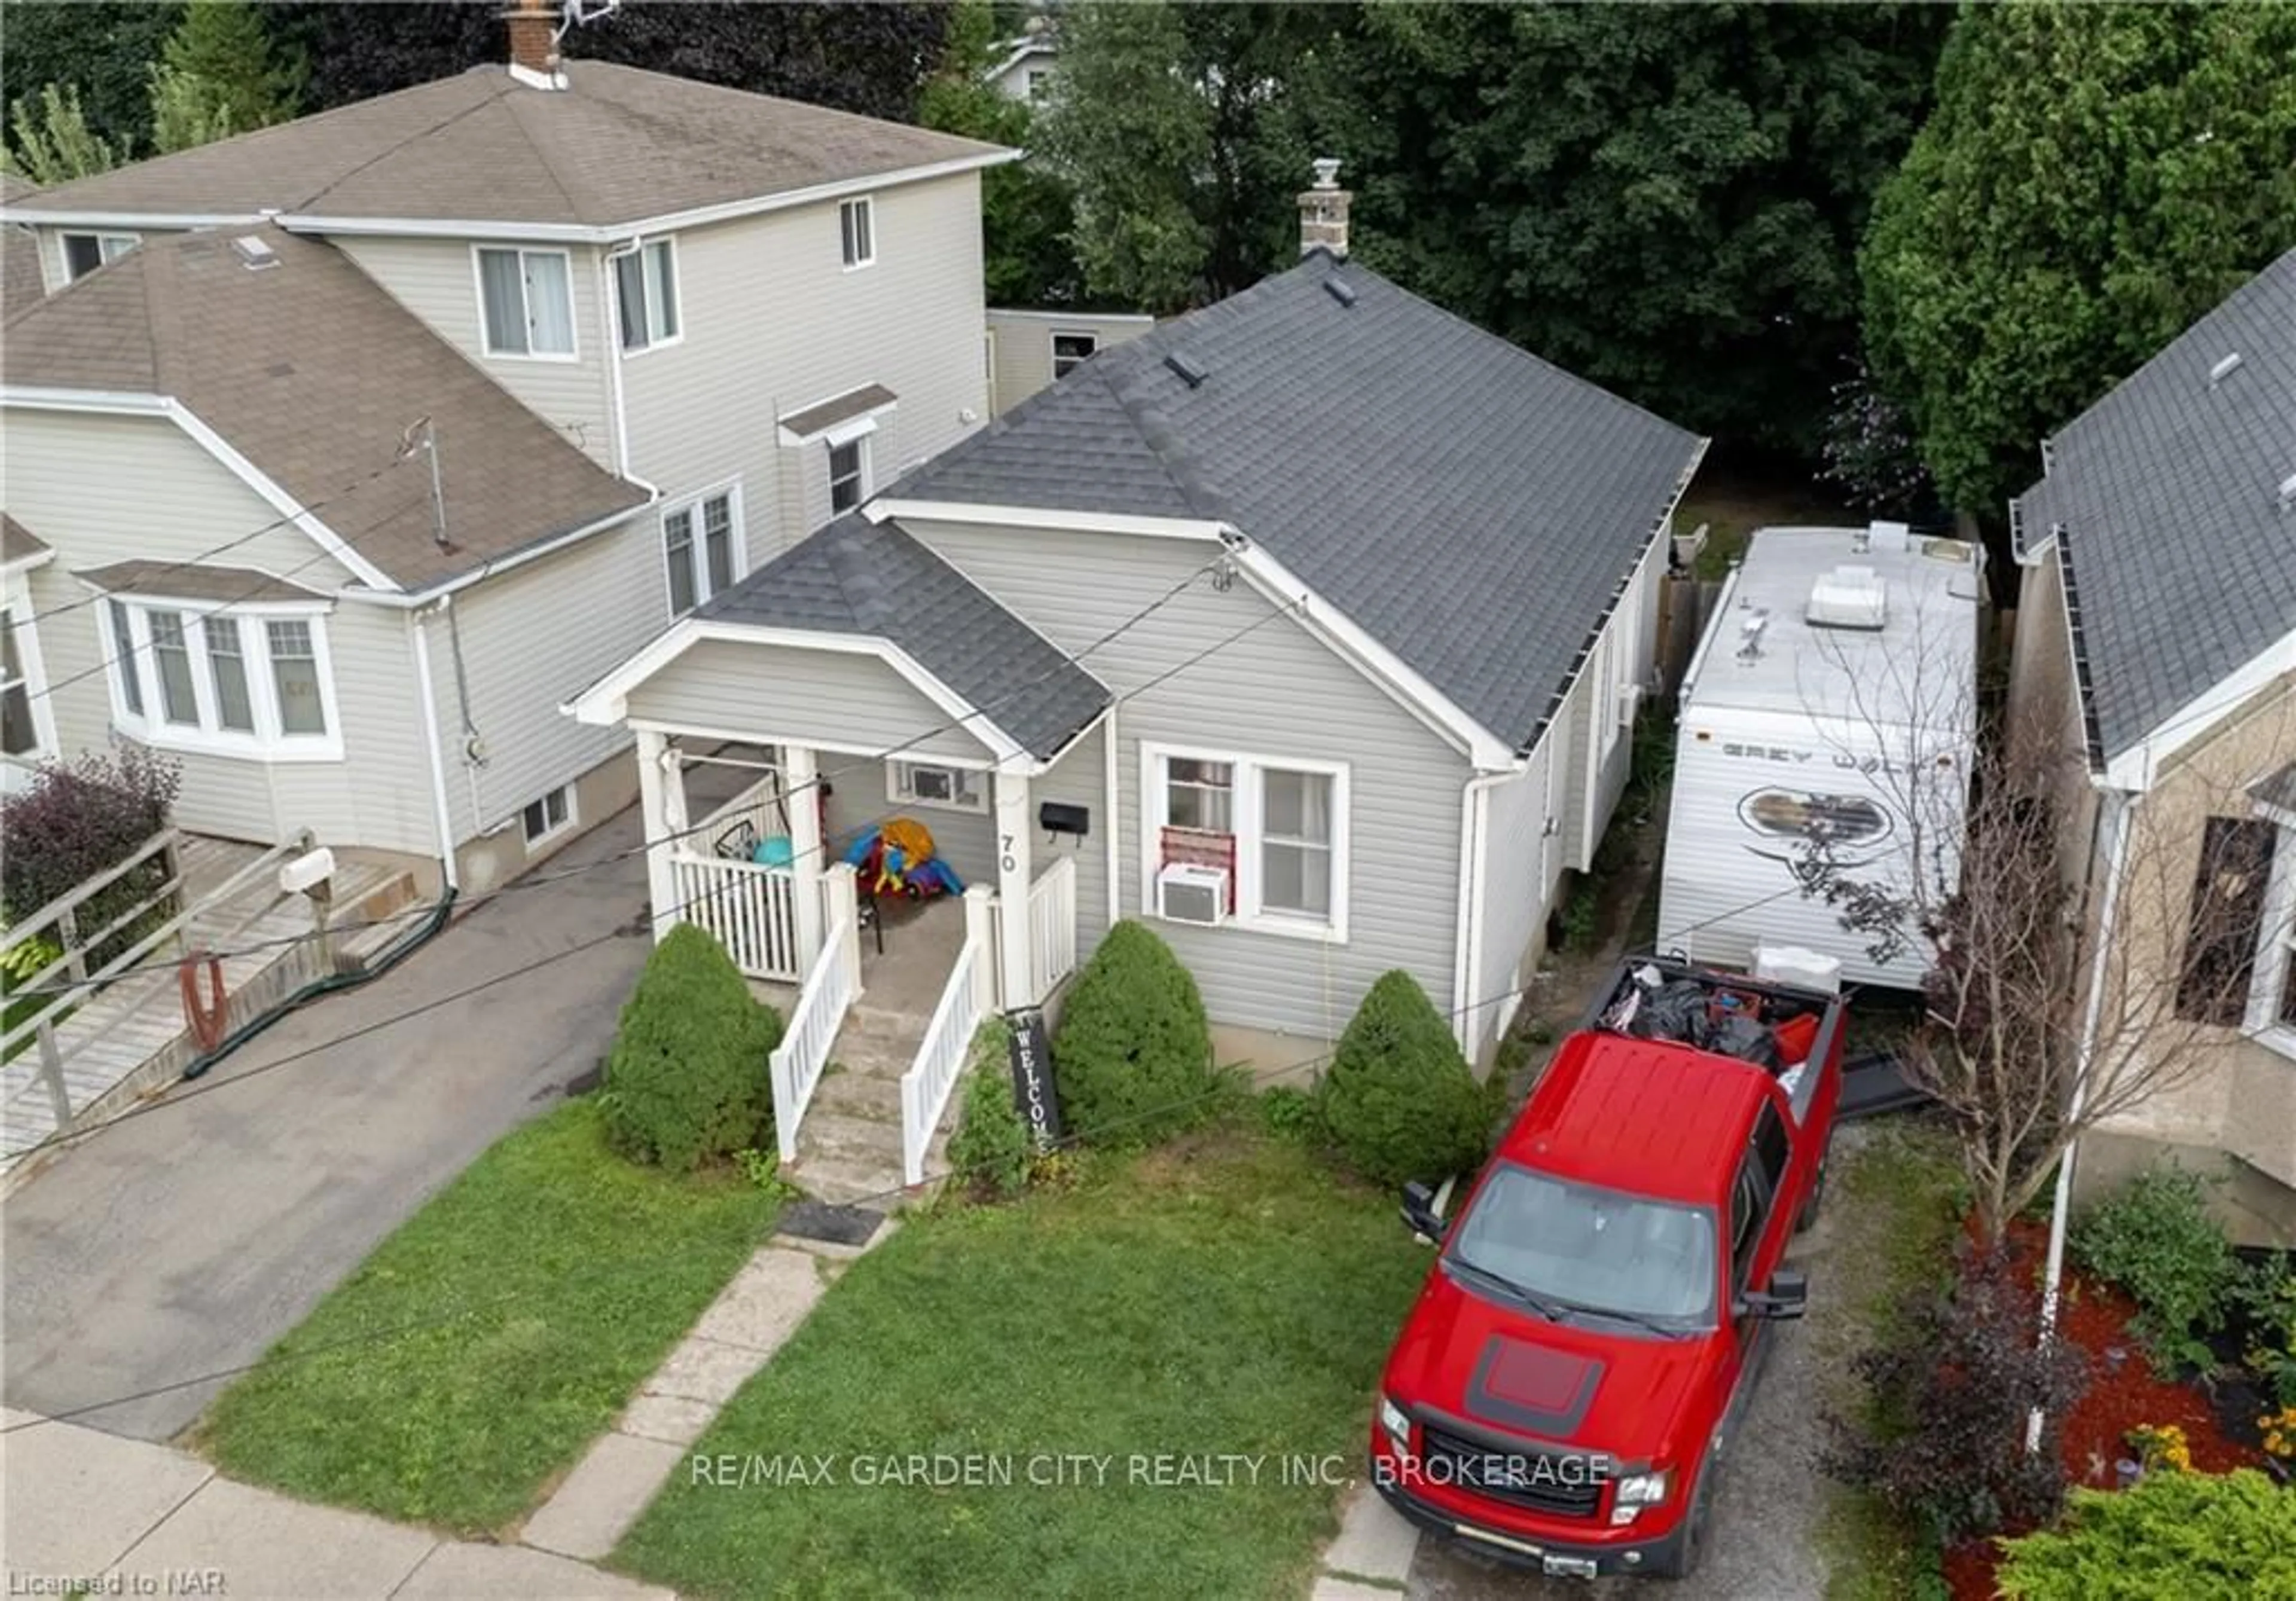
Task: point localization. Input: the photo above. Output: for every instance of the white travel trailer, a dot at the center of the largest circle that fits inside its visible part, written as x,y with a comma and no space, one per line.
1827,724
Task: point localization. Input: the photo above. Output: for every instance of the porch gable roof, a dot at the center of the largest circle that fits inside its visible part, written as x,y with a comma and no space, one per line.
874,580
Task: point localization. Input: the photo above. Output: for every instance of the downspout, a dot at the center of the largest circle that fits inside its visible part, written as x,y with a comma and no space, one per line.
1115,818
2124,810
1474,815
438,766
609,336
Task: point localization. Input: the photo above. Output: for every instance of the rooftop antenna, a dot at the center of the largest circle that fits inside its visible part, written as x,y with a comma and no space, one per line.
419,436
581,13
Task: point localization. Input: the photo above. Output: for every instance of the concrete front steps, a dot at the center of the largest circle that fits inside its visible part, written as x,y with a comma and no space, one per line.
848,1147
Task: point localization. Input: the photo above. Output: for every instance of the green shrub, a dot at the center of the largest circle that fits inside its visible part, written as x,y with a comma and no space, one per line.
991,1147
687,1082
2265,1296
2155,1239
1400,1099
2170,1534
1133,1058
1289,1113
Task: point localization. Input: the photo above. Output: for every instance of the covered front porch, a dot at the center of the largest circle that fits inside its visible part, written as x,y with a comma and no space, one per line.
763,843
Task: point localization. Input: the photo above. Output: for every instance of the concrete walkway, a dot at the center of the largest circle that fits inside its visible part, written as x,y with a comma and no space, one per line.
752,1317
84,1505
1370,1560
184,1242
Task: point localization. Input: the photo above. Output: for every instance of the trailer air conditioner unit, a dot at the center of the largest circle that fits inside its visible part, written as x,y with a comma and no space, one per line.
1849,597
1187,893
1630,699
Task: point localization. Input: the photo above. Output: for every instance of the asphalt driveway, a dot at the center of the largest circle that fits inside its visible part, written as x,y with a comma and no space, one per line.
184,1241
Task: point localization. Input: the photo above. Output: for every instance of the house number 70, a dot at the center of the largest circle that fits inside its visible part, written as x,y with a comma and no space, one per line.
1011,864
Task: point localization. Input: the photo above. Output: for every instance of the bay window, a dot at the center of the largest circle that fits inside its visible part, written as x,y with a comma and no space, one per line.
526,301
27,731
242,682
1275,827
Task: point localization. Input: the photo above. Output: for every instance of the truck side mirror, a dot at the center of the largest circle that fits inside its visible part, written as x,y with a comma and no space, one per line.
1788,1296
1419,1211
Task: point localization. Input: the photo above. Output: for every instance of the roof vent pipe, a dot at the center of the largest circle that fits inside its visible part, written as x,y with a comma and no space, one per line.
2288,492
2224,369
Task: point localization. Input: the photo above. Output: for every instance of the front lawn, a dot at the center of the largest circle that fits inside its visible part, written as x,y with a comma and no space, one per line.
1222,1297
481,1347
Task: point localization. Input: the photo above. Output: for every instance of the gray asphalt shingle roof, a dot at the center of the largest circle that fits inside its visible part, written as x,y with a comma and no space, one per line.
1471,506
2166,493
856,577
2277,788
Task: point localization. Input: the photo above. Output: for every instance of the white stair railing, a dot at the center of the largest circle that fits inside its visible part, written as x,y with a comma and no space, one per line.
830,989
941,1056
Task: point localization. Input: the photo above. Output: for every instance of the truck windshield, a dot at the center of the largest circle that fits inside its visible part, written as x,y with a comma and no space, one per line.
1591,1249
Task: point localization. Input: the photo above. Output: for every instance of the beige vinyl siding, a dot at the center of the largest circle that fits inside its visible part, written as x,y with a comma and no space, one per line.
836,700
438,281
532,639
772,322
1022,343
102,490
1272,693
386,764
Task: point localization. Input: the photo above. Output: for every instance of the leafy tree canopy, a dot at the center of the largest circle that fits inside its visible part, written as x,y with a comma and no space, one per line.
2095,177
1665,198
104,48
50,142
220,76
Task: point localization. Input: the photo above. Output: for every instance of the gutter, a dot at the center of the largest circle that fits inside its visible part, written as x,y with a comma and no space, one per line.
558,233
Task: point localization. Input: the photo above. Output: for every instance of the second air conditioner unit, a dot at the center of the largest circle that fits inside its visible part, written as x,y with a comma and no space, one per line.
1187,893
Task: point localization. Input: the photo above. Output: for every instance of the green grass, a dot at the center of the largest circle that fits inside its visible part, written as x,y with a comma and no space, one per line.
1224,1295
484,1344
1897,1197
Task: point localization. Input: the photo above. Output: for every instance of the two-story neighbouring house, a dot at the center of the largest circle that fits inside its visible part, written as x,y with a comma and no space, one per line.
2156,643
647,331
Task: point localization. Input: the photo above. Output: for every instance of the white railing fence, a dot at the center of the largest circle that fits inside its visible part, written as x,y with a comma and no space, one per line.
750,909
969,996
1053,927
830,990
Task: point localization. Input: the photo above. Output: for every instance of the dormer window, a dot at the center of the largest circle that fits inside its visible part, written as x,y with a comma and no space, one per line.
85,252
526,300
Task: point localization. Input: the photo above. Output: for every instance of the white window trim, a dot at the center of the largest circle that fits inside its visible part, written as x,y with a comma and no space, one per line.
856,432
573,310
22,621
732,490
1053,349
676,296
105,238
2278,953
866,204
897,788
1245,801
553,830
269,741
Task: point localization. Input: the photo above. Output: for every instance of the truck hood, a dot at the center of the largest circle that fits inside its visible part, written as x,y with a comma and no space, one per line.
1597,1388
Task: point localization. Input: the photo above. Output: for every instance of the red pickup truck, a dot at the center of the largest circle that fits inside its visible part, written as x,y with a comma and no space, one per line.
1585,1343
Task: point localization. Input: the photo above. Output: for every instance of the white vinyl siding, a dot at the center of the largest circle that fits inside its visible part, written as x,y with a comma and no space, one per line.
857,226
833,700
526,299
645,295
1307,710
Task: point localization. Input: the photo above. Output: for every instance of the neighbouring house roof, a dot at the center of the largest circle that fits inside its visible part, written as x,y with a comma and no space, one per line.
2276,790
312,372
20,252
856,577
1021,50
618,145
2166,498
194,581
16,542
1473,508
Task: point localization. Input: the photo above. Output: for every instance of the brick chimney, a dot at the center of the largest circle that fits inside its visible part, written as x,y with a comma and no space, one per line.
1324,211
533,51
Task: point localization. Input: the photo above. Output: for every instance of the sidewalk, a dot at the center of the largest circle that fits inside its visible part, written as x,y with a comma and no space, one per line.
81,1505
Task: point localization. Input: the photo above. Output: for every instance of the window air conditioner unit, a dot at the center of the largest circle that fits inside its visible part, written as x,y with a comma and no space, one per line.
932,784
1630,698
1186,893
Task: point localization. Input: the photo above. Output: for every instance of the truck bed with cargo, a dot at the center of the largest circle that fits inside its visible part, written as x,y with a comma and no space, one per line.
1581,1352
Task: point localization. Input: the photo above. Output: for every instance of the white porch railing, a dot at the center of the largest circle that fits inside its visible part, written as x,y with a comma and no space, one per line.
948,1038
1053,927
750,909
830,990
750,817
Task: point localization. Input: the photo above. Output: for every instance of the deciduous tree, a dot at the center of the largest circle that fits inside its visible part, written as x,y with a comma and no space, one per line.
50,142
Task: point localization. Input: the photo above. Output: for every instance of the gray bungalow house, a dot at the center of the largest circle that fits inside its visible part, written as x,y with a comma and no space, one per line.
1310,626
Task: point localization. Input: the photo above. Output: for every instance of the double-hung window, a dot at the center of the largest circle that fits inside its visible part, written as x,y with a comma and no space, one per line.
849,474
527,300
699,543
26,731
1072,351
85,252
254,682
1276,826
645,295
857,226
